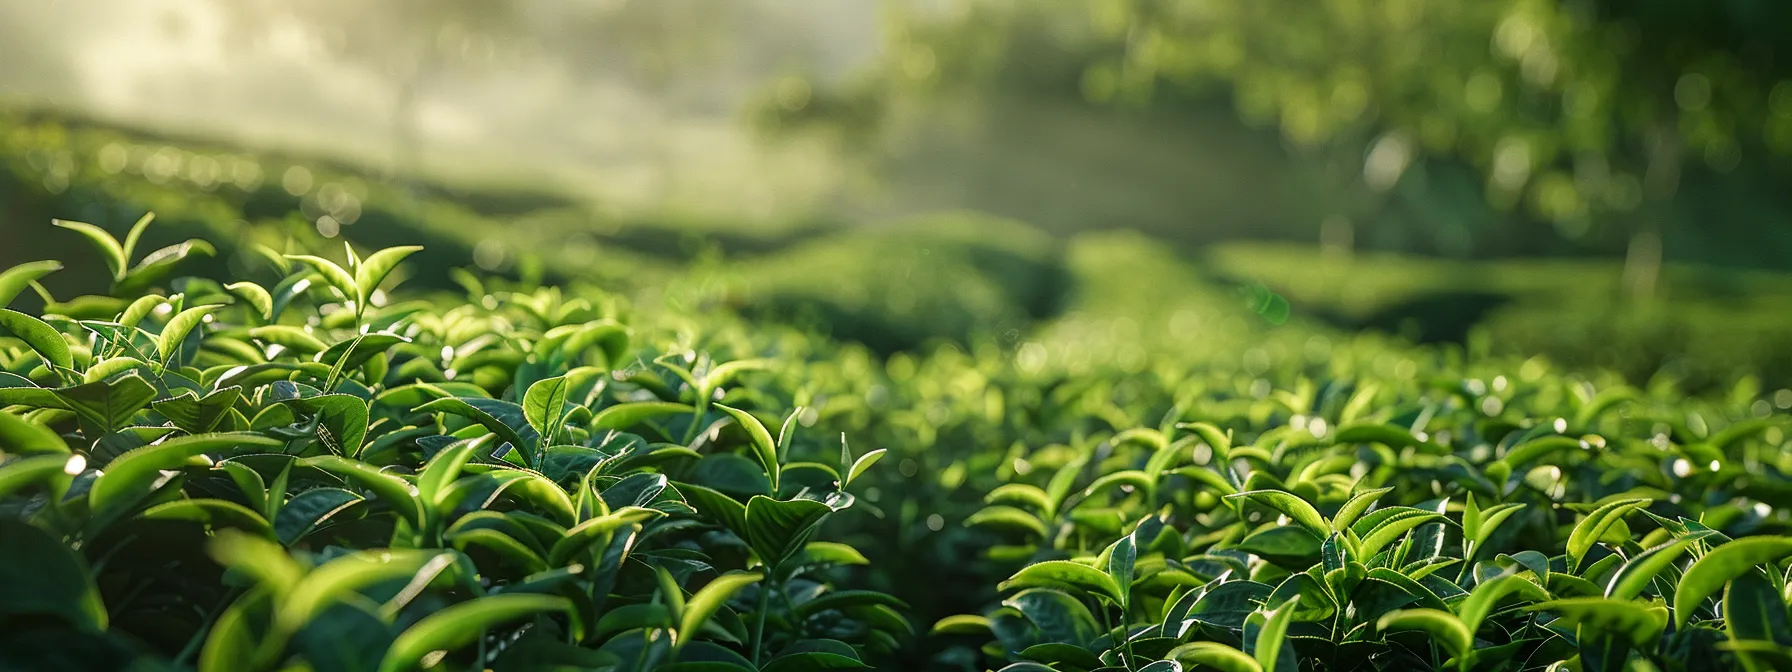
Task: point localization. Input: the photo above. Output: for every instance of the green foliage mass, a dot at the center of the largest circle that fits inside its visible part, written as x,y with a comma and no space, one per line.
1575,109
296,471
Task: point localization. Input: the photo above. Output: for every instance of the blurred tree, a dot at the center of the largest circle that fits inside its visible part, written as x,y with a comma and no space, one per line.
1583,113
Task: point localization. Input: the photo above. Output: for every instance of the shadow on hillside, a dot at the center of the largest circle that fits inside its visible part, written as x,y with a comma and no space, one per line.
895,294
1443,317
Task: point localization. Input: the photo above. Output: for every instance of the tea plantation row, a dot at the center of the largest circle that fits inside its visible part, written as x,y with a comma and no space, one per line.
310,469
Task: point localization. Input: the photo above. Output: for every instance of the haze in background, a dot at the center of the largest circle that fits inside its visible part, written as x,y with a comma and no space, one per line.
627,103
644,108
762,115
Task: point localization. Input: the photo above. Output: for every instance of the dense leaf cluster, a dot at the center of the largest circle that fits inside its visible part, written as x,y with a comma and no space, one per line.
1476,545
297,471
295,476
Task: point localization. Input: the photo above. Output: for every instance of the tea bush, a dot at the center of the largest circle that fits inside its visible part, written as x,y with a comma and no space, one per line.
297,476
312,468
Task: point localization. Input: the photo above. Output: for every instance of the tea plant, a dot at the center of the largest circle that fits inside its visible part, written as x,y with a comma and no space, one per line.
299,475
1480,534
313,468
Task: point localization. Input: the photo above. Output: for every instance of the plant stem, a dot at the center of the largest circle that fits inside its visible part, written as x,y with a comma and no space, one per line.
765,596
205,628
690,433
1468,558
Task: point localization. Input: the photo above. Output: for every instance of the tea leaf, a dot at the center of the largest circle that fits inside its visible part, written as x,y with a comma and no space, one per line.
370,272
14,280
46,342
461,624
108,247
1709,573
1068,575
709,599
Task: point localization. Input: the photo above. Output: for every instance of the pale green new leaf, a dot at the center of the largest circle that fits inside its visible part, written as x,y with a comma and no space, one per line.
586,534
462,624
709,599
445,467
257,297
1356,505
1481,601
347,574
178,327
1389,524
17,278
722,373
129,248
763,447
1637,622
333,274
374,269
40,337
108,246
624,416
1447,630
1215,655
1592,528
1636,575
24,437
1268,645
544,406
859,466
260,558
1294,507
213,513
1065,574
53,469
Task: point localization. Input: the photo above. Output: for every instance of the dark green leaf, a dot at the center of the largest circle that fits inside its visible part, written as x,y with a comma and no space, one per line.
105,406
1059,617
41,576
1754,610
778,529
195,415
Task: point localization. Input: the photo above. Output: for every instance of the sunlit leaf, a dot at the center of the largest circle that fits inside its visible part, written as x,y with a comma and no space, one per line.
1709,573
461,624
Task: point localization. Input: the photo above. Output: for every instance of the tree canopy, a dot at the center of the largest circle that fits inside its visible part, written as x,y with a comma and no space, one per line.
1573,111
